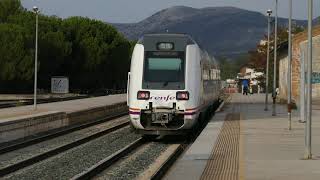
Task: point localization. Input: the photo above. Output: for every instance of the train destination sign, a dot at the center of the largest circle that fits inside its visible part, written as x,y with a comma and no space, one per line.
165,46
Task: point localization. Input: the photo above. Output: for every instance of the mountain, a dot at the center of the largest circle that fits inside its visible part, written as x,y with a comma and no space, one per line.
222,31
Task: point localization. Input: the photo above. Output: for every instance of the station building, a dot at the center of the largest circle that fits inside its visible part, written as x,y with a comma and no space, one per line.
300,50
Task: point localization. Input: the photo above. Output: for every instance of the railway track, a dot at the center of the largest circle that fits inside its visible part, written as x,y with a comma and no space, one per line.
126,155
161,167
15,146
96,168
109,161
55,151
164,168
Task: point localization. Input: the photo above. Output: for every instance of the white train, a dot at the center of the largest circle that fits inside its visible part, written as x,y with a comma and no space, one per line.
170,84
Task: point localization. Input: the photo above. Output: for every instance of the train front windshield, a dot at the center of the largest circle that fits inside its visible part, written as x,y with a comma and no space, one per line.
164,70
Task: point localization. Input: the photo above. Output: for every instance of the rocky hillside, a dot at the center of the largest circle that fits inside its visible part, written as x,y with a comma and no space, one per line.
222,31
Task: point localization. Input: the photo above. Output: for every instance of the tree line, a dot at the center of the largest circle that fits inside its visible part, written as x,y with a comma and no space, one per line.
258,56
231,67
91,53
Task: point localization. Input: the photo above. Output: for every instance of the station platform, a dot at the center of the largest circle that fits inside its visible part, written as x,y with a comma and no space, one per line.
24,121
245,142
63,106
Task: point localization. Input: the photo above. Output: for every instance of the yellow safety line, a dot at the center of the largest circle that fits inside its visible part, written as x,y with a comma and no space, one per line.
224,160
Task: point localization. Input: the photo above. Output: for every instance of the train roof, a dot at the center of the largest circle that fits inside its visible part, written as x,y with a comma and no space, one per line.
185,37
180,40
167,35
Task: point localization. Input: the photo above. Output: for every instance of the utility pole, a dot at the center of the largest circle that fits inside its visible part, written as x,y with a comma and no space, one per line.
289,64
269,12
274,94
308,154
303,87
36,11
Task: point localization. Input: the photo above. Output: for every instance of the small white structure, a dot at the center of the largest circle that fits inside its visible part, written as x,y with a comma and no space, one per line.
263,42
252,75
59,85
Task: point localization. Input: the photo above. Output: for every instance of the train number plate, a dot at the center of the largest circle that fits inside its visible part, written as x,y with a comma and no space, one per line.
160,118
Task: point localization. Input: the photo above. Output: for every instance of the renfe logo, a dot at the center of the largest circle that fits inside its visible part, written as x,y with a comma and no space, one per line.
163,98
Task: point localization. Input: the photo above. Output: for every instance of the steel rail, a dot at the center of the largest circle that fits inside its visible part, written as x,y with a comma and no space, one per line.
107,162
159,174
165,167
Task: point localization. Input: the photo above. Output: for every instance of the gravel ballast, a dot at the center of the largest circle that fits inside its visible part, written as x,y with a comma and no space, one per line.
13,157
74,161
135,164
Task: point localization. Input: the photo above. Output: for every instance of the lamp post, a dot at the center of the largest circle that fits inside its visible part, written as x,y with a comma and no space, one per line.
289,63
308,154
269,12
36,11
274,94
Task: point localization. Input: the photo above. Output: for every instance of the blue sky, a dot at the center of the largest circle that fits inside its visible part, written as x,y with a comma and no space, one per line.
129,11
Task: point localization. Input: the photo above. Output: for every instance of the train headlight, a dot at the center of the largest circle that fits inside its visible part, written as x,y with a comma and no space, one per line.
143,95
183,95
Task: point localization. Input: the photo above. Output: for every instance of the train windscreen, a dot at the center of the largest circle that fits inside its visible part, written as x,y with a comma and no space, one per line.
164,70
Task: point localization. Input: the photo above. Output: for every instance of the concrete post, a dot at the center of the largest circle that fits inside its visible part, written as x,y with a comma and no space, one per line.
289,64
308,154
268,61
274,94
36,66
302,87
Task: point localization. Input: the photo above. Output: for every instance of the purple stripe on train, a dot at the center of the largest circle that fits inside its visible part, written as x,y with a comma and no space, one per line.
134,113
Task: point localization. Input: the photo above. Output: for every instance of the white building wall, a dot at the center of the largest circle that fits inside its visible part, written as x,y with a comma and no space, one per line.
315,64
283,83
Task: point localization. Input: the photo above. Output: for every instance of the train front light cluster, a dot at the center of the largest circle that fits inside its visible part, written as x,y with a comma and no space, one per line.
143,95
183,95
